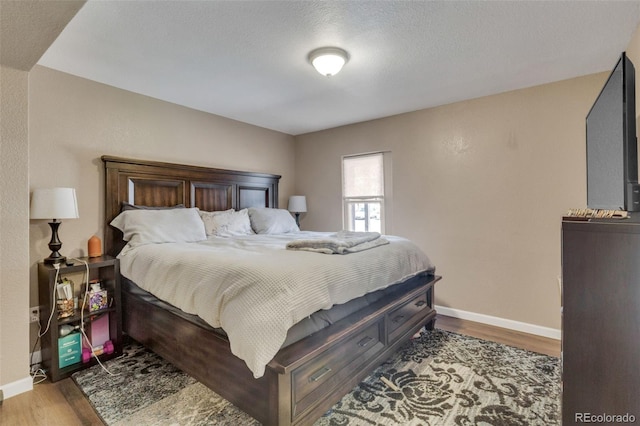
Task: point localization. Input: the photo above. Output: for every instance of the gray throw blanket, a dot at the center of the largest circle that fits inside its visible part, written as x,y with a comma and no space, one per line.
342,242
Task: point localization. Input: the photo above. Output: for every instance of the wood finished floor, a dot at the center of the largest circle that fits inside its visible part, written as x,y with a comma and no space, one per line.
62,403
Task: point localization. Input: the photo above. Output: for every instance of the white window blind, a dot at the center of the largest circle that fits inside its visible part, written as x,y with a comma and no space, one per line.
363,176
363,192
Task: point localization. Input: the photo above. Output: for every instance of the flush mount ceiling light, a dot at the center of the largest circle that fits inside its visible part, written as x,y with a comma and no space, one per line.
328,61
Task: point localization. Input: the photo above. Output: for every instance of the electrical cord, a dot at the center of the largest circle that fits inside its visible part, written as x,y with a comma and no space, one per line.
53,301
38,375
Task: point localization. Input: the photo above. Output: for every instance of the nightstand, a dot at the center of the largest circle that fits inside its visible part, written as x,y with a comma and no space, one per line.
59,346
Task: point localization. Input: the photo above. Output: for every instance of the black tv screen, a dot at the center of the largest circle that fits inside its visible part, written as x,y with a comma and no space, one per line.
612,152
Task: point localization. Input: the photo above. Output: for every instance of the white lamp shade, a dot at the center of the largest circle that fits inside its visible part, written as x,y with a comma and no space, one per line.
297,204
328,61
54,203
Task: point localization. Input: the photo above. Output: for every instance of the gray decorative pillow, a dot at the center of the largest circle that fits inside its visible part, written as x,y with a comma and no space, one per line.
272,221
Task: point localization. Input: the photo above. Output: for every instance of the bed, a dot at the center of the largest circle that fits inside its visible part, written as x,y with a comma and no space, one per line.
309,373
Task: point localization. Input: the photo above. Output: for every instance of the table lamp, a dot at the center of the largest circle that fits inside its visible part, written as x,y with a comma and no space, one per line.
297,205
54,203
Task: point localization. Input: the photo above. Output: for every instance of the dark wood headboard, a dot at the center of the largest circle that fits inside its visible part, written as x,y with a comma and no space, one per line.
157,184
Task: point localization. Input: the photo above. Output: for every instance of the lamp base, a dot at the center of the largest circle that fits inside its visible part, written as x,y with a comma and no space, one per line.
55,245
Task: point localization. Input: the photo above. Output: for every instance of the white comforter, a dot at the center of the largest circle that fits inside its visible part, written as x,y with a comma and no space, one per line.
255,289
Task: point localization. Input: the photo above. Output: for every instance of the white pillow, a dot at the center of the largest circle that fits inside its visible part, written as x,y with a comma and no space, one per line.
272,221
160,226
227,223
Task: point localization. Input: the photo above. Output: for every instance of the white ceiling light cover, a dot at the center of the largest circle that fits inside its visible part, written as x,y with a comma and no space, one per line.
328,61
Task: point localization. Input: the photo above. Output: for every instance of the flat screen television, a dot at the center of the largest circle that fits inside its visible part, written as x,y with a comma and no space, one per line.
612,150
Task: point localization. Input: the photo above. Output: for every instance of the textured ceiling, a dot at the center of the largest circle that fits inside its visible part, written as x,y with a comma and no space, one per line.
247,60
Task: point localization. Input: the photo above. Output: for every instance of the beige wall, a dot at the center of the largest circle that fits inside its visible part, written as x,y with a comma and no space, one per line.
633,52
14,219
480,185
73,121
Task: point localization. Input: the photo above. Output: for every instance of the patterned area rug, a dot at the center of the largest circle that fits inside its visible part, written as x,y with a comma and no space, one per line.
440,378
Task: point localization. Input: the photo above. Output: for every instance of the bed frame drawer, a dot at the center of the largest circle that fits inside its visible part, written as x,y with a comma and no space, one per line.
404,317
315,379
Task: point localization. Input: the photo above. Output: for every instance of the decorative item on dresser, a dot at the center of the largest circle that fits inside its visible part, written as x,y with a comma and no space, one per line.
305,378
94,246
600,321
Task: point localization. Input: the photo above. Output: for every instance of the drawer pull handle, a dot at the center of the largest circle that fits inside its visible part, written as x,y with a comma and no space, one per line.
319,374
364,342
398,318
420,303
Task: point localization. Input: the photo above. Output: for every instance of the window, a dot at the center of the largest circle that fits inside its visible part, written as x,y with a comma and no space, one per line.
363,192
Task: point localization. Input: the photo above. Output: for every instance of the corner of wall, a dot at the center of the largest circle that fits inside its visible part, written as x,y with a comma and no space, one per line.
14,227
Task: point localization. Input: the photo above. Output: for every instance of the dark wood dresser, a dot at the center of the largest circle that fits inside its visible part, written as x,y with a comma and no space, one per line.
601,321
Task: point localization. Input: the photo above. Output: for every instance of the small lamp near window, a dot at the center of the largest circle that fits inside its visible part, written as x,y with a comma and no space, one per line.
297,205
54,203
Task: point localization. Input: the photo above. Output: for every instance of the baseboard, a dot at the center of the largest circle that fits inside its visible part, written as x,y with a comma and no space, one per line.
23,385
523,327
17,387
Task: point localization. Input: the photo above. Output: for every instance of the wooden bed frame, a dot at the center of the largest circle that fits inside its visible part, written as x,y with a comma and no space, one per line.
304,379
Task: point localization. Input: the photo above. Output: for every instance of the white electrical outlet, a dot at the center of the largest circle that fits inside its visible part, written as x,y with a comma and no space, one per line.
34,314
